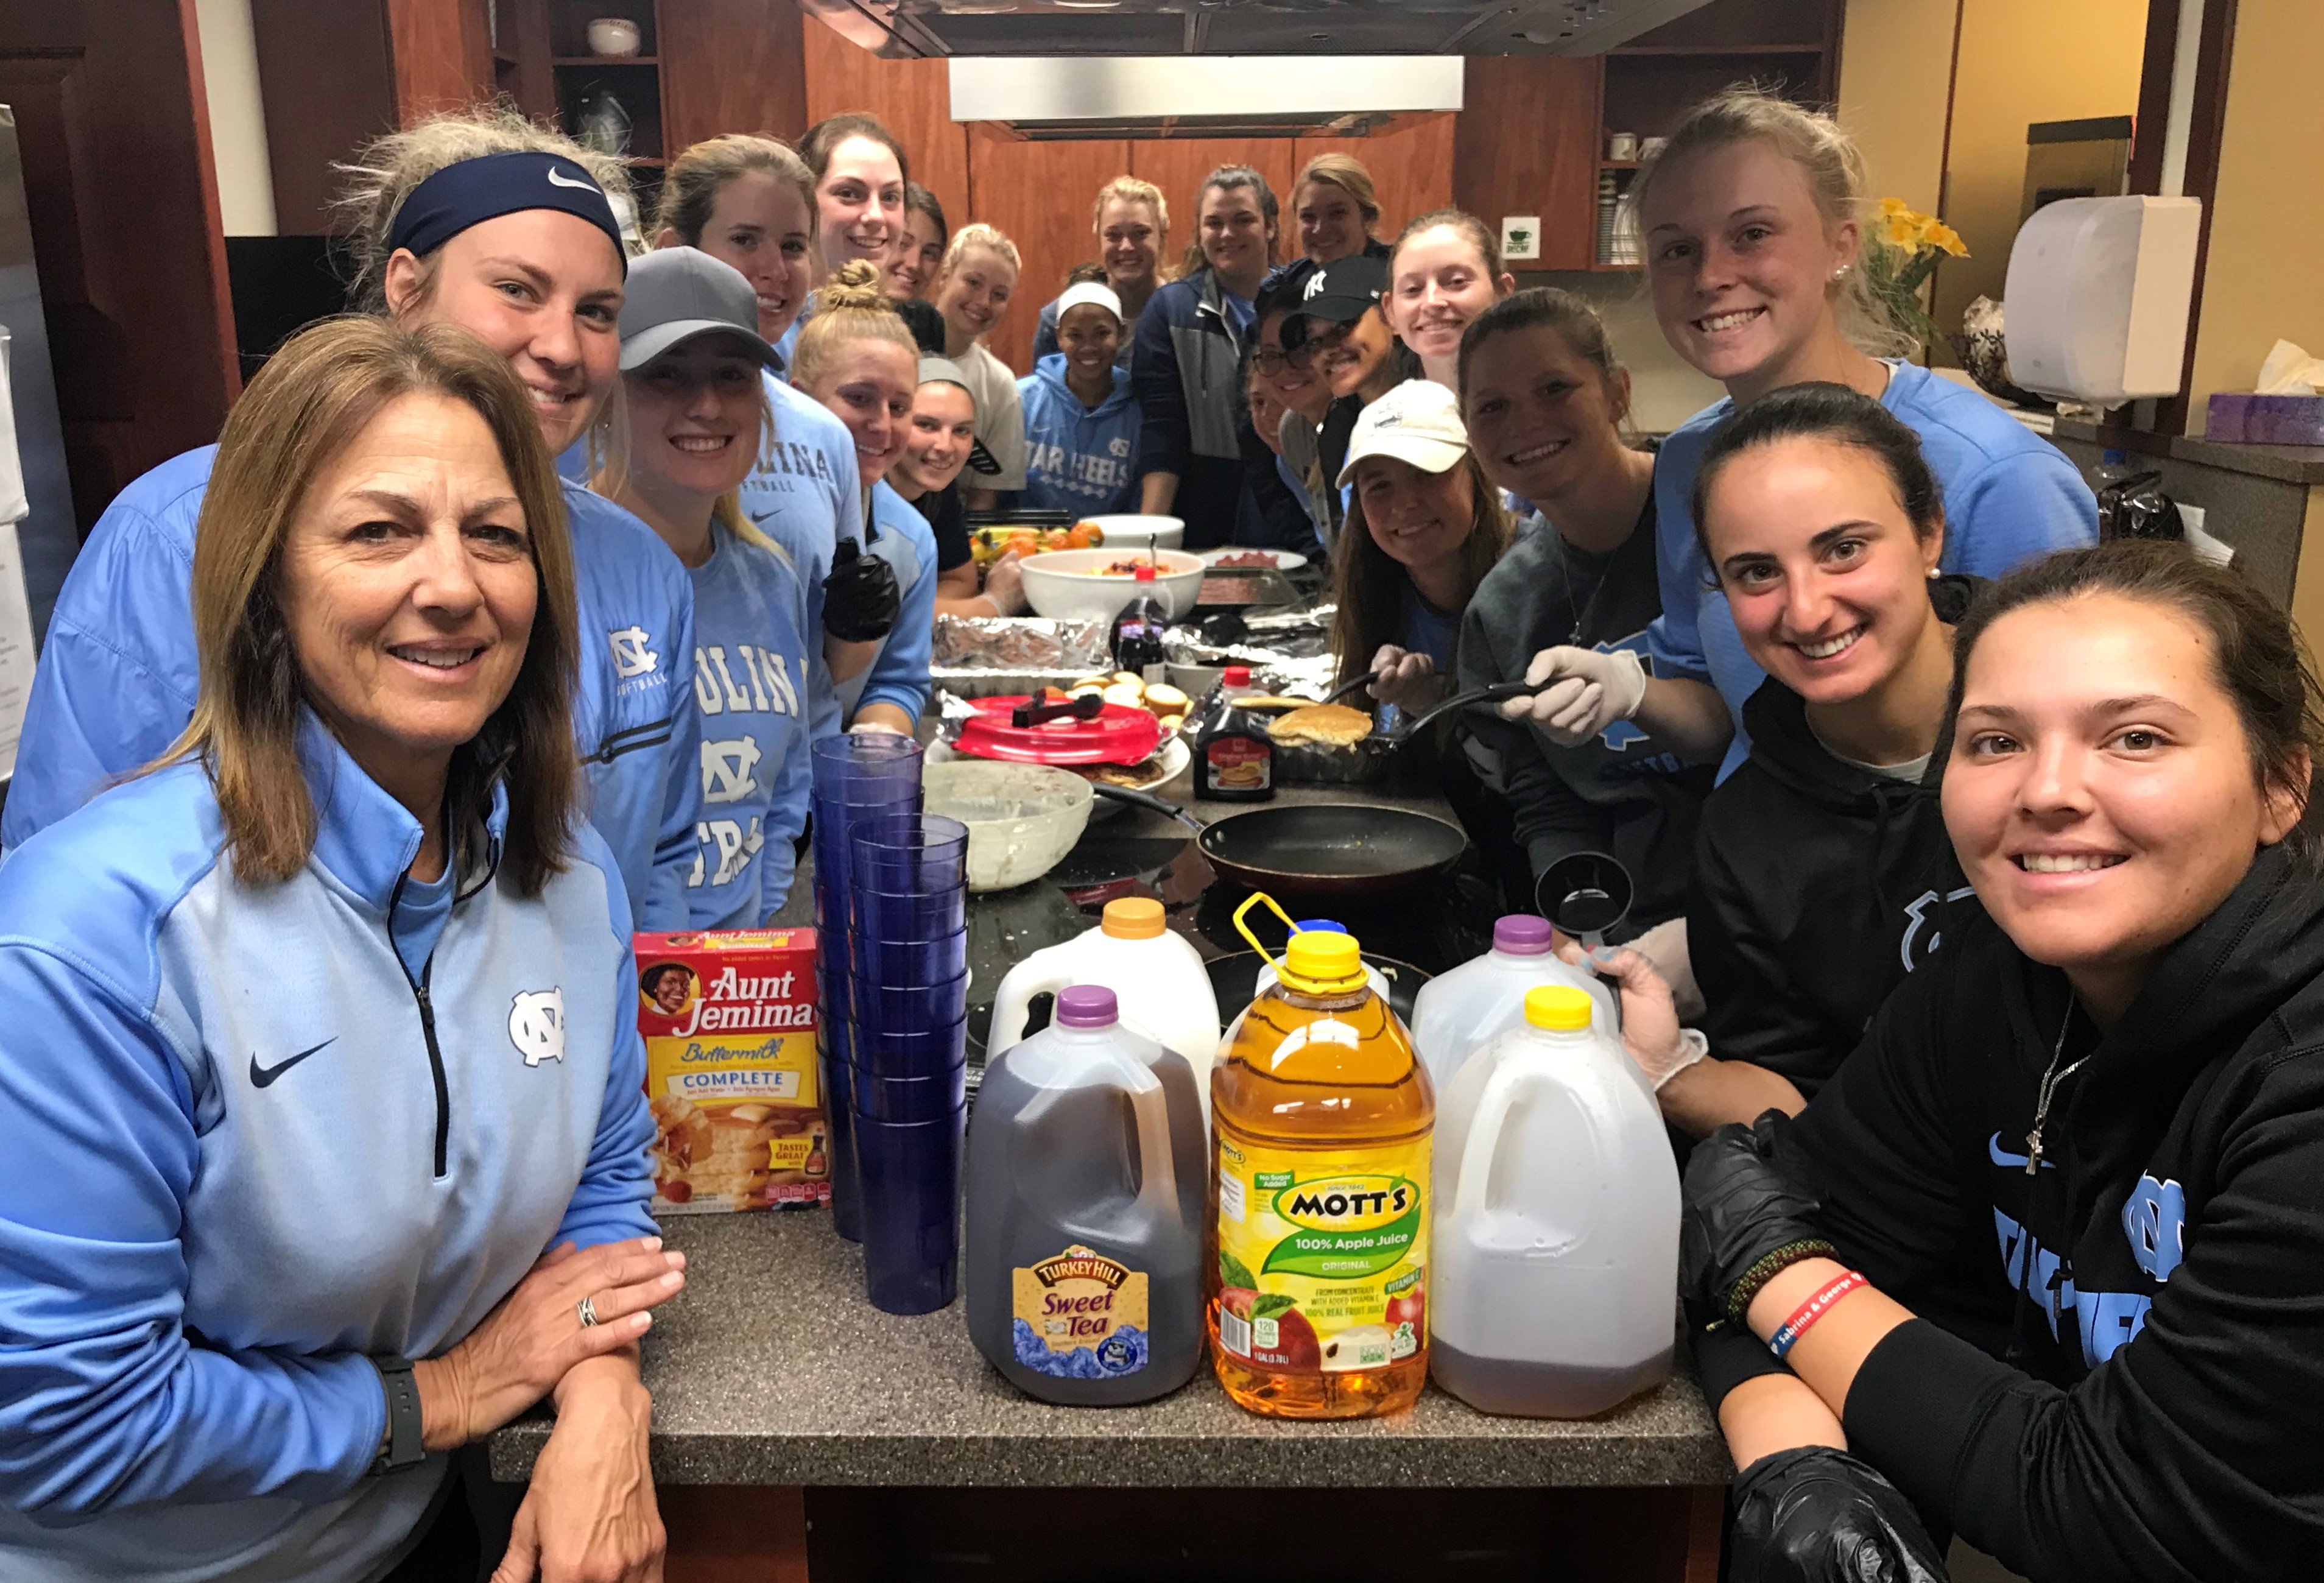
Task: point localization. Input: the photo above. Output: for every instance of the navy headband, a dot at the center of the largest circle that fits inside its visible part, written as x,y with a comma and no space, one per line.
484,189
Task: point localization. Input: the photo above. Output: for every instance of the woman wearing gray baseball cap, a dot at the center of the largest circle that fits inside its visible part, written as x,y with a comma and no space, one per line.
698,421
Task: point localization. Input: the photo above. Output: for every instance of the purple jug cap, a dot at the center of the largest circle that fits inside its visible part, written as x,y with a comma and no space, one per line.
1521,934
1087,1005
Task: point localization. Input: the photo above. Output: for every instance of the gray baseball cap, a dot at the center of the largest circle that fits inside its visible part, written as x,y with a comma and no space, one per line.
676,293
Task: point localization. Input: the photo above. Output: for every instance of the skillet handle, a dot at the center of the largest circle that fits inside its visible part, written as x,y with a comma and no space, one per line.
1345,688
1146,800
1461,701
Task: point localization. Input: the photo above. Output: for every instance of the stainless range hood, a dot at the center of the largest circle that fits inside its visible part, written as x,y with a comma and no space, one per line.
1304,28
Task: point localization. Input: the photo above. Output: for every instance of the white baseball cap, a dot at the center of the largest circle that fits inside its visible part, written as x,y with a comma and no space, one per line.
1418,421
1087,292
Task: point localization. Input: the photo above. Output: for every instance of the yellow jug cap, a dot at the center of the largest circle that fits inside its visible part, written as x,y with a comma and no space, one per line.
1319,962
1133,918
1558,1007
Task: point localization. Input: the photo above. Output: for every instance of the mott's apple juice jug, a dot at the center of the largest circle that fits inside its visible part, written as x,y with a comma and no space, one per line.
1321,1125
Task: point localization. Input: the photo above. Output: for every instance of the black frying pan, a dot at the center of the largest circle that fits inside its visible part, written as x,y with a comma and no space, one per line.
1361,852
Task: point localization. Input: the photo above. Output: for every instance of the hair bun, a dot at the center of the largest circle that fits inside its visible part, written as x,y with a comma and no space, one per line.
857,284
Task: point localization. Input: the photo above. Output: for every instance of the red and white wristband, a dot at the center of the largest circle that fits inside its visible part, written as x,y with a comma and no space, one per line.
1788,1335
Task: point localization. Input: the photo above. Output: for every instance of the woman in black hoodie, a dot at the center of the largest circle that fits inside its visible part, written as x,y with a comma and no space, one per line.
1821,863
2047,1255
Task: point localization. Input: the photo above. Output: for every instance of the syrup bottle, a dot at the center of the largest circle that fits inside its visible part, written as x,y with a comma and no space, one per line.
1234,758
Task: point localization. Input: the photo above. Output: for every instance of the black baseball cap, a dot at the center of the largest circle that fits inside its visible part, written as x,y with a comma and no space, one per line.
1342,289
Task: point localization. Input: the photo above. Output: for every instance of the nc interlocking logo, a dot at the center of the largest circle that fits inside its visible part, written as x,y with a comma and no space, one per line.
631,655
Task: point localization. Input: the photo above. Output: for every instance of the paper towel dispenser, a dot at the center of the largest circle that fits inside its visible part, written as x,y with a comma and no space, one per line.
2098,294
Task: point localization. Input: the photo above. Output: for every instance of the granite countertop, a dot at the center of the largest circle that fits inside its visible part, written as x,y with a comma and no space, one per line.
772,1369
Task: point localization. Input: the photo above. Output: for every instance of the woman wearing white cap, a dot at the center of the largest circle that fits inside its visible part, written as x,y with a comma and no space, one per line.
1423,528
1081,420
700,421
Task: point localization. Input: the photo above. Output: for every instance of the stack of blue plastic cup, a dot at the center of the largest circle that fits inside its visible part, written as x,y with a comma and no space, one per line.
856,777
906,1043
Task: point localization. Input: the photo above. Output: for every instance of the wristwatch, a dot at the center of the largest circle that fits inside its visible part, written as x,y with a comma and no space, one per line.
399,1442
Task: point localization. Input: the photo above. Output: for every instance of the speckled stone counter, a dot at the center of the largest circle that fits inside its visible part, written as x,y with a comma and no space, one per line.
772,1369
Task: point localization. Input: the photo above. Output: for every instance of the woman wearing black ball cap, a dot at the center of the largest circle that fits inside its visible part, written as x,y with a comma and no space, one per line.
1340,327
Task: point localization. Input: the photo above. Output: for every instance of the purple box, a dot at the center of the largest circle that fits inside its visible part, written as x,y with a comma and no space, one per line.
2241,418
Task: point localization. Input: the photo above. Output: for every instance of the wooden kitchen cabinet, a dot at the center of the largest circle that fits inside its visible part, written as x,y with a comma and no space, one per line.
1526,144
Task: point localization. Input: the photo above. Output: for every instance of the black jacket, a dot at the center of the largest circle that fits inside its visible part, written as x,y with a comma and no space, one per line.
1621,792
2119,1369
1816,888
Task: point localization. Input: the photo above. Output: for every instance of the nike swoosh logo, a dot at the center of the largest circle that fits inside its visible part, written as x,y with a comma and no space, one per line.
2002,1157
260,1076
557,180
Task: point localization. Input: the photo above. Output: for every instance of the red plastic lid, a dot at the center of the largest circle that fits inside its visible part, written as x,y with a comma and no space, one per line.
1119,734
1236,676
1144,574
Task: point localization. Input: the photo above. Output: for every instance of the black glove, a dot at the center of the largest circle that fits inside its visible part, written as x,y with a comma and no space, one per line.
1817,1515
859,597
1738,1209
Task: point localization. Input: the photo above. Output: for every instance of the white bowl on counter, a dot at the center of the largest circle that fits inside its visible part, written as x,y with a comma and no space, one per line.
1065,584
1021,819
1161,532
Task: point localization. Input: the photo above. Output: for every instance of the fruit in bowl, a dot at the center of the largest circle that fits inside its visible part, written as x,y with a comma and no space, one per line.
1088,585
990,544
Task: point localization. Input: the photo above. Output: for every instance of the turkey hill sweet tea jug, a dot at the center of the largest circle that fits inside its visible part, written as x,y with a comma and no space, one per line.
1320,1122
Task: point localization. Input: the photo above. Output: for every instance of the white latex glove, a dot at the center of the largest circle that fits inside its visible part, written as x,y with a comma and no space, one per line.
1583,692
1004,585
1650,1029
1410,682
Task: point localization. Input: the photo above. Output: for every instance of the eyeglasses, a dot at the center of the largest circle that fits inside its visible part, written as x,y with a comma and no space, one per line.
1271,359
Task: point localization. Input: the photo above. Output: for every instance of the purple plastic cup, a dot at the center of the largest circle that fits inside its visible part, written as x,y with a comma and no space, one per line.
919,1053
873,756
910,1173
925,916
907,855
839,1116
1521,934
910,961
929,1098
904,1011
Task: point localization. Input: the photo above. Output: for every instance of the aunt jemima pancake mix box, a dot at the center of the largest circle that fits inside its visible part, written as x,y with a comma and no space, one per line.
729,1027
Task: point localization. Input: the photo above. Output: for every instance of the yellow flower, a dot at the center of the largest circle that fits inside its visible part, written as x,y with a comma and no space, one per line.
1943,235
1894,206
1900,231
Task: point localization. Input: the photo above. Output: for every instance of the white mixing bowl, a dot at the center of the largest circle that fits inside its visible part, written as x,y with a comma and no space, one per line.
1021,819
1060,583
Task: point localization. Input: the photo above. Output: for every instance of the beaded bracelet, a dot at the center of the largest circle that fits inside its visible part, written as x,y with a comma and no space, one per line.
1770,1266
1788,1334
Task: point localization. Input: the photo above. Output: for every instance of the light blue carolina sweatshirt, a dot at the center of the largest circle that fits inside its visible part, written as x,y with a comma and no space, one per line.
1078,457
256,1134
118,675
750,682
2010,497
900,674
806,497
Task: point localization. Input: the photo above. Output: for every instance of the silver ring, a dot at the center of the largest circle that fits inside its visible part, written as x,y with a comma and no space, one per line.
587,1307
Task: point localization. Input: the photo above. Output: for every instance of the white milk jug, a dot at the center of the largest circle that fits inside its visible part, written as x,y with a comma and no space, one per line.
1553,1253
1157,978
1460,1012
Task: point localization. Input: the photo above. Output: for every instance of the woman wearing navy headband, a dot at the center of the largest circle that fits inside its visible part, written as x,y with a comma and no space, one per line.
487,222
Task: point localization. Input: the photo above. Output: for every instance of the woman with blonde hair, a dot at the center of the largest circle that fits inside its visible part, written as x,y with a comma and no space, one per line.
859,359
1750,220
699,419
480,220
1131,222
354,1168
1337,211
750,203
972,293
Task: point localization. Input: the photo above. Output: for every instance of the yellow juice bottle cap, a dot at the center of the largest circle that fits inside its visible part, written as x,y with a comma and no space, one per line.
1133,918
1557,1007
